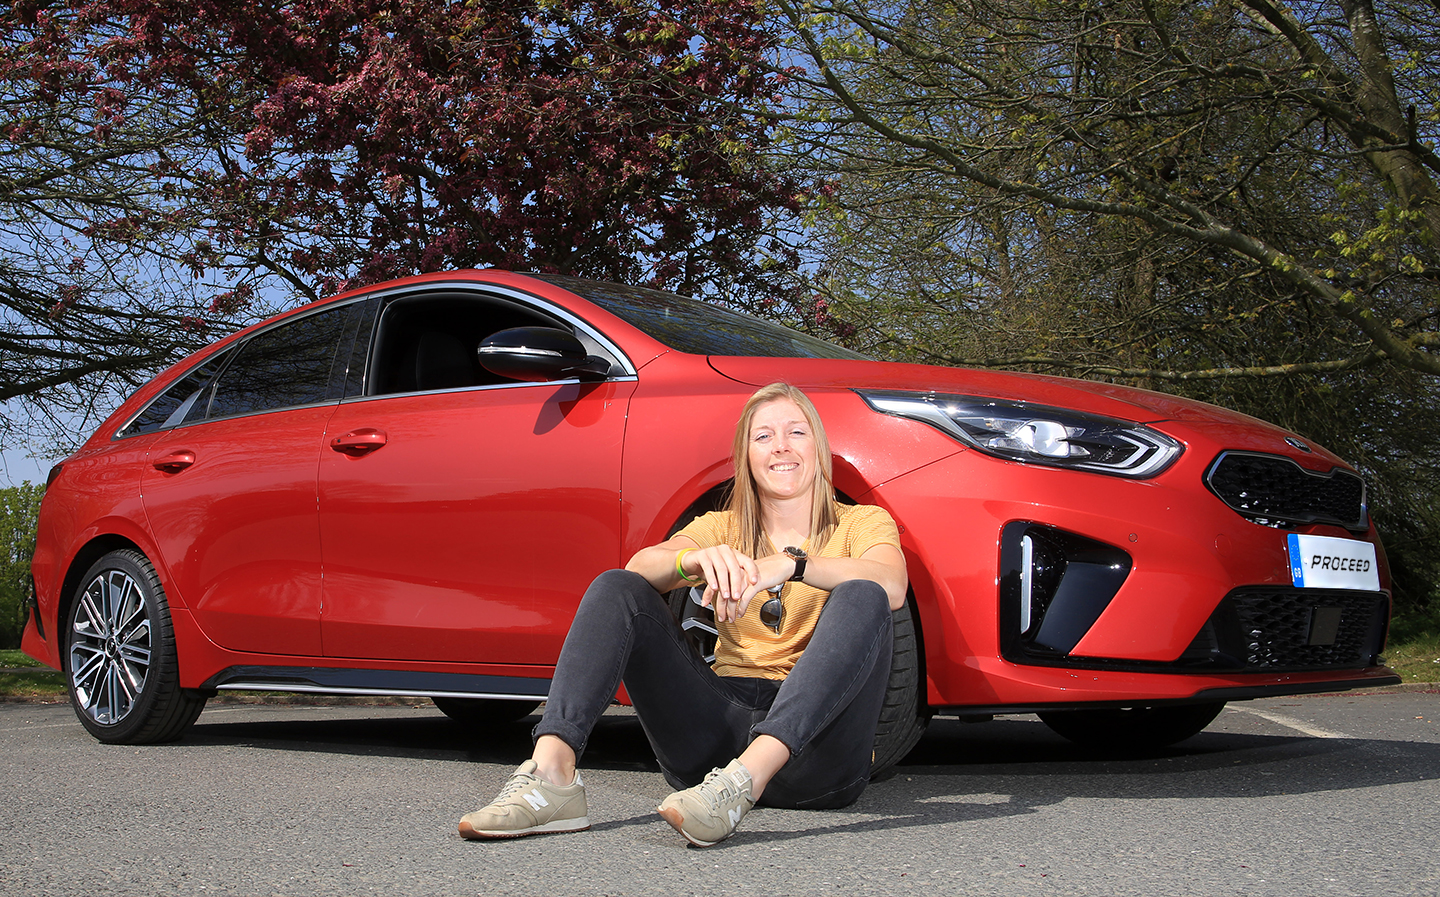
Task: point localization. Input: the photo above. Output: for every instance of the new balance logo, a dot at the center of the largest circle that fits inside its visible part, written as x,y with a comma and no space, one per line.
535,799
734,814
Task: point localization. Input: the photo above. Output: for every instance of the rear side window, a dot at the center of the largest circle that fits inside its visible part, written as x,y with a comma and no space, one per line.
177,402
293,364
280,368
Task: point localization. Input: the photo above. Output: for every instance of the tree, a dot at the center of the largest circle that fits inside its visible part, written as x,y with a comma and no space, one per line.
19,507
225,153
1234,199
90,228
1239,142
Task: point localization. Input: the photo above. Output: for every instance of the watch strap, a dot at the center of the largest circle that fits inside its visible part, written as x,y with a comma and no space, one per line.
800,559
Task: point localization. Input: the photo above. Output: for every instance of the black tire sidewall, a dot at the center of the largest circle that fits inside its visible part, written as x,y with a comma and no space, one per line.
901,722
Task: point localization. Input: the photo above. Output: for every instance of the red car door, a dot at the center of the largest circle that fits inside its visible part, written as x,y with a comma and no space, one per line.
462,517
229,489
471,532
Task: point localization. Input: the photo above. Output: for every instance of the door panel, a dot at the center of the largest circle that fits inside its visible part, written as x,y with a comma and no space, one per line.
232,501
472,529
237,527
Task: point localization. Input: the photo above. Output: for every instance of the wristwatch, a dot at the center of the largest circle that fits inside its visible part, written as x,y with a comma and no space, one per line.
799,556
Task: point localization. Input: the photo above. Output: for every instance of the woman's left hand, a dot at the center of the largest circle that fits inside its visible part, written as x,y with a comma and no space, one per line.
772,570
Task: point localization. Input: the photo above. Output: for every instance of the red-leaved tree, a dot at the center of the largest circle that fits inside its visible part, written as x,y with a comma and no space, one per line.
330,143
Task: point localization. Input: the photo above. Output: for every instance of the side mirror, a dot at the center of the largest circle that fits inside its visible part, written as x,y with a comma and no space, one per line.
538,354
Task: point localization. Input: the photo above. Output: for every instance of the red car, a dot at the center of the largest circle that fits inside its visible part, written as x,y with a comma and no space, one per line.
405,489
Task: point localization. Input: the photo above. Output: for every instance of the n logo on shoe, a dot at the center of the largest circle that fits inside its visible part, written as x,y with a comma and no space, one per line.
734,815
535,799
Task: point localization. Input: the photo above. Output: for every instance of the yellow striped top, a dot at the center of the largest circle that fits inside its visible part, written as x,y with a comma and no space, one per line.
747,647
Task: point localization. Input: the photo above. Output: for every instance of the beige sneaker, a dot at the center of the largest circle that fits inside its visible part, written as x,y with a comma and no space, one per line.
529,805
709,813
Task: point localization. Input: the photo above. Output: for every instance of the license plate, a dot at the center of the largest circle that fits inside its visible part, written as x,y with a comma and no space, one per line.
1324,562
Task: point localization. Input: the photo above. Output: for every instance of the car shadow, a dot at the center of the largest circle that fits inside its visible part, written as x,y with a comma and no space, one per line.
618,742
958,771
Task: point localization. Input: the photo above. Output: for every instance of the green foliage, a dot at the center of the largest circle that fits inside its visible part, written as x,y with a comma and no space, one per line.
19,508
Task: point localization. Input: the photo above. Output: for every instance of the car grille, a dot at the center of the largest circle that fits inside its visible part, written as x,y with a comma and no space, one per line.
1276,628
1276,491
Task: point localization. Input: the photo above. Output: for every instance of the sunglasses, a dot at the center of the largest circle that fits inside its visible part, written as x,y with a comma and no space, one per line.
772,612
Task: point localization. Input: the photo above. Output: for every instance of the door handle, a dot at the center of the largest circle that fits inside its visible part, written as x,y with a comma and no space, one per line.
174,462
359,442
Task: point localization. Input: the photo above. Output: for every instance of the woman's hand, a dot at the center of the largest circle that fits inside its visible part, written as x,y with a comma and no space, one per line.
731,579
773,571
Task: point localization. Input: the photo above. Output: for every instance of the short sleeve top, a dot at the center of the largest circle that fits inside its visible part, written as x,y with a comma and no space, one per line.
747,647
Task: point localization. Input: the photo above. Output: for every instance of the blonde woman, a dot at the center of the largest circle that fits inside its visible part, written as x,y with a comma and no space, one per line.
802,588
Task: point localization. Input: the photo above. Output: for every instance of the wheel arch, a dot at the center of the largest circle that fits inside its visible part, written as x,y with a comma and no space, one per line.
89,553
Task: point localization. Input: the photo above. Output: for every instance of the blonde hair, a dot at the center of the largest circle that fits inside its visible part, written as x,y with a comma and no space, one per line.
744,502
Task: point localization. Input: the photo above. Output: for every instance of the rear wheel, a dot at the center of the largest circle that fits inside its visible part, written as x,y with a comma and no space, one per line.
484,711
120,662
1133,728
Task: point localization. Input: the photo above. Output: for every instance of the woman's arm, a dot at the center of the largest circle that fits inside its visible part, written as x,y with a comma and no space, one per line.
728,576
881,564
732,579
657,563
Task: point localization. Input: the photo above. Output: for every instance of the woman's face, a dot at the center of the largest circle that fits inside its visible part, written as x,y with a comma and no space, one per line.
782,450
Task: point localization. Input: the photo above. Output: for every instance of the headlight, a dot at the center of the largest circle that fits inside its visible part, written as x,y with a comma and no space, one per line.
1035,434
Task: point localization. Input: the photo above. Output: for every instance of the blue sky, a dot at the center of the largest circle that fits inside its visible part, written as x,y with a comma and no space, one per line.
16,468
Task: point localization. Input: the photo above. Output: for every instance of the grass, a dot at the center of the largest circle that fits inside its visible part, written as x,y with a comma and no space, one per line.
1417,659
22,677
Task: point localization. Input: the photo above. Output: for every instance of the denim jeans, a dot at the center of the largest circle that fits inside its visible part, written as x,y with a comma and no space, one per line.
825,711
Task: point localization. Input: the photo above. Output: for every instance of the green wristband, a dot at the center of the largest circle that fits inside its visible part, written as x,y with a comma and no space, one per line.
679,558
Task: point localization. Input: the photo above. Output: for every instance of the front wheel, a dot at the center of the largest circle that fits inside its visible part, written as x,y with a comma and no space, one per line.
903,717
484,711
120,662
1133,728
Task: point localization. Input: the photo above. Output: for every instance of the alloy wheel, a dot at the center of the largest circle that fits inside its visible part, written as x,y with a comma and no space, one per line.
110,647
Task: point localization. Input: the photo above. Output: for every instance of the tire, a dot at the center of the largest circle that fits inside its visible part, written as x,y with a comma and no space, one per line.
1133,728
121,668
485,711
902,718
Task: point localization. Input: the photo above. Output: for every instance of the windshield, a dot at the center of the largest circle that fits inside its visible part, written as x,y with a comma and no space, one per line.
696,327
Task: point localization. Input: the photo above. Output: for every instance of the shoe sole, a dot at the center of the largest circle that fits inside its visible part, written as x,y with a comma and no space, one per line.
677,822
470,833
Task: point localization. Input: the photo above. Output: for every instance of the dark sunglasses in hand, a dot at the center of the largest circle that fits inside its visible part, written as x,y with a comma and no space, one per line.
772,612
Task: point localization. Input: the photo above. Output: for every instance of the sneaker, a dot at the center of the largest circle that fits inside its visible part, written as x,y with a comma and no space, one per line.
709,813
529,805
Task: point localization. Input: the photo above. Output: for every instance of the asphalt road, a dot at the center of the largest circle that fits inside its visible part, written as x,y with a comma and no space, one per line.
1316,795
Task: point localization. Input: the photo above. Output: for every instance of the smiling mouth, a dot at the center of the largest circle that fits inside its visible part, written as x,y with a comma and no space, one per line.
784,468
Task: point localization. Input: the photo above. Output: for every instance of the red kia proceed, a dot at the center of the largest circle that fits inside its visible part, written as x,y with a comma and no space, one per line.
405,489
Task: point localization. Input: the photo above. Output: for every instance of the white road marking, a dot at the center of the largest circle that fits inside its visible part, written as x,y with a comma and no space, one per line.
1291,722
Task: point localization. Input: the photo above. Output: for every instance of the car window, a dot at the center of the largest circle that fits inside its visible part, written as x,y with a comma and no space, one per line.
428,342
282,367
176,402
698,327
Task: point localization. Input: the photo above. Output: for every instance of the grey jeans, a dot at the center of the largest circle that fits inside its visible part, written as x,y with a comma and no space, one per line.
825,711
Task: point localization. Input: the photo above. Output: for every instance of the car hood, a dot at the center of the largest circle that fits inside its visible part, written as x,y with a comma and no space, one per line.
1108,399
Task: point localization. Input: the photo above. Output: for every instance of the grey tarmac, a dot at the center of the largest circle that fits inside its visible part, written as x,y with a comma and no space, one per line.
1334,794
